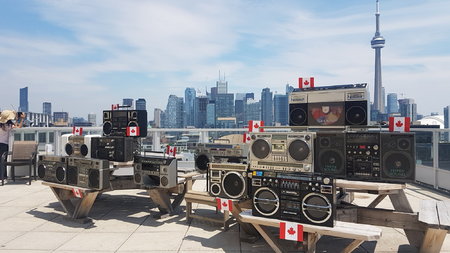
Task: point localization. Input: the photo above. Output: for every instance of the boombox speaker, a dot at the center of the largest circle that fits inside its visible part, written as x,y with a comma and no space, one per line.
115,122
217,153
398,157
330,154
228,180
52,169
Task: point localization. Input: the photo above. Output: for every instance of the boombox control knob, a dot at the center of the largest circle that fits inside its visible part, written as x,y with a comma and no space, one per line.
307,137
375,147
326,180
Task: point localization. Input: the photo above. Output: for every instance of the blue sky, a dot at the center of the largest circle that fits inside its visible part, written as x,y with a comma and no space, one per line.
84,56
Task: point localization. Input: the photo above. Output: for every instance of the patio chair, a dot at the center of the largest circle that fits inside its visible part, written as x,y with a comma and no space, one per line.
23,153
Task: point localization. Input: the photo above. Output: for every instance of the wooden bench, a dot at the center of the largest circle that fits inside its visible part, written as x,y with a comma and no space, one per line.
76,208
358,232
436,214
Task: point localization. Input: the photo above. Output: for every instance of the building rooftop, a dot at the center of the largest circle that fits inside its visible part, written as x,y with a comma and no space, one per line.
32,220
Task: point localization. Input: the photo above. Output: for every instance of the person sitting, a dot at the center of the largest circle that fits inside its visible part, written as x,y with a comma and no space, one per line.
8,120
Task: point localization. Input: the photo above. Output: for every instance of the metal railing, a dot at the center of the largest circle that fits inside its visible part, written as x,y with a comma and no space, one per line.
432,146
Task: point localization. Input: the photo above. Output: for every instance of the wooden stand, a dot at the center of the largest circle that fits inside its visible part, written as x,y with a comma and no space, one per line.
359,233
423,233
161,197
76,208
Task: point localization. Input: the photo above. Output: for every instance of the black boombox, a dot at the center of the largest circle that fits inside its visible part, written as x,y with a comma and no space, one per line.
117,122
338,105
299,197
368,156
228,180
219,152
88,173
114,148
155,171
52,168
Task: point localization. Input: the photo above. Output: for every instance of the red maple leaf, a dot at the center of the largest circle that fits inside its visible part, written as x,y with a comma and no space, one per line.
77,130
256,125
291,231
399,123
306,82
224,204
132,130
248,138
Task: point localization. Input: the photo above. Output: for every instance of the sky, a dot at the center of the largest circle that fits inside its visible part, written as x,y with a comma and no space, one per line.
83,56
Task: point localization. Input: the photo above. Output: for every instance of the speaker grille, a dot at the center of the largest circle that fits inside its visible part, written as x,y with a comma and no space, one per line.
69,149
233,184
84,150
164,181
72,175
316,208
298,115
331,162
60,174
201,162
299,150
215,189
398,165
266,201
260,148
356,115
41,171
107,128
94,178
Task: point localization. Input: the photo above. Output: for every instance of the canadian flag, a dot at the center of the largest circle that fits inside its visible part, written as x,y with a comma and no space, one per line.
224,204
253,126
77,131
305,83
77,193
171,151
246,138
115,107
291,231
399,124
133,131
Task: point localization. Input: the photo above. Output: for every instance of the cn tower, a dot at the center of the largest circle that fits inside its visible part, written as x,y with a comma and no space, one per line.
377,44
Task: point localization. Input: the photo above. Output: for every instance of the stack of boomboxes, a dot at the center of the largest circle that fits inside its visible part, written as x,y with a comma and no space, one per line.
85,160
292,175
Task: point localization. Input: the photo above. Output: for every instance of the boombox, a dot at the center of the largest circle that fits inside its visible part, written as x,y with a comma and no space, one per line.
116,122
329,155
88,173
288,151
78,146
298,197
339,105
117,148
52,168
216,152
156,171
228,180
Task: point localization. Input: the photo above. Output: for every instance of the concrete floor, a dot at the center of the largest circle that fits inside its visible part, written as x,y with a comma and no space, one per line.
31,220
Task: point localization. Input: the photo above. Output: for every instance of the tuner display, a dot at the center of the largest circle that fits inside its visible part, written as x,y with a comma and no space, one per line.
363,156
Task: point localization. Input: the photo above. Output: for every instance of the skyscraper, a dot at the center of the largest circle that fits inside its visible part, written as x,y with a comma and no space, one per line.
200,111
239,111
267,107
446,121
211,114
174,112
47,108
252,110
222,87
289,89
23,100
189,98
128,102
281,109
141,104
224,105
392,103
377,44
408,108
92,118
157,117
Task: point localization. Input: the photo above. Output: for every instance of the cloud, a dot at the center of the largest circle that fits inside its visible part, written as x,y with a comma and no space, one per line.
169,46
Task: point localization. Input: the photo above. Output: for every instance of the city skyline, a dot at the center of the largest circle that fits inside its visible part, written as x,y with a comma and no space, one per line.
67,52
